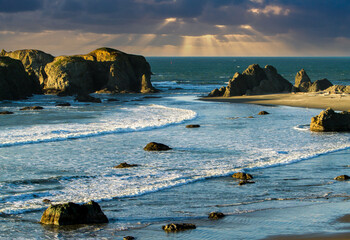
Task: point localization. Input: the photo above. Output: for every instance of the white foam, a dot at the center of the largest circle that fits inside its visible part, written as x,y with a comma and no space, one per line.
124,120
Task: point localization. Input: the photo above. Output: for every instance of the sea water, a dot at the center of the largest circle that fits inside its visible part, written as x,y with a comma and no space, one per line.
69,153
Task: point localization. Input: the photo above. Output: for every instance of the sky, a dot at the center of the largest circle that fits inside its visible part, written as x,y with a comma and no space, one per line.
178,27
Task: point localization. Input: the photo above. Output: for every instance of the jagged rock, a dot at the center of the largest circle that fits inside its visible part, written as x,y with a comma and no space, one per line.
14,80
338,89
329,121
320,85
216,215
31,108
243,182
87,98
153,146
66,104
193,126
263,113
125,165
254,80
302,81
173,227
342,178
242,175
5,113
71,213
34,62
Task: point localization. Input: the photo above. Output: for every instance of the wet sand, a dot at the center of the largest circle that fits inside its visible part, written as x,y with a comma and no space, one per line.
339,102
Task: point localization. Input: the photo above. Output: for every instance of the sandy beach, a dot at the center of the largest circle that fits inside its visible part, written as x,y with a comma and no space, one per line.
339,102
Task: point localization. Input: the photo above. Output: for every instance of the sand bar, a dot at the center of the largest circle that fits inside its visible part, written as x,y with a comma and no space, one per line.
339,102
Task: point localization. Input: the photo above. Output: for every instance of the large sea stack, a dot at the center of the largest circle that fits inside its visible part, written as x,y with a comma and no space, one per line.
254,80
103,70
304,84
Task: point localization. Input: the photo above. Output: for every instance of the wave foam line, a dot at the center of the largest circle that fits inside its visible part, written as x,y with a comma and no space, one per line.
142,118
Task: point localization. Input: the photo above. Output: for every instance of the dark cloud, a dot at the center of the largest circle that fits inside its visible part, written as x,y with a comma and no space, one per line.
13,6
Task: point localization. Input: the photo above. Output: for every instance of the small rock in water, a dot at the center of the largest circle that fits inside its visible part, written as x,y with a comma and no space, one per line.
112,100
87,98
153,146
71,213
250,117
31,108
63,104
193,126
128,238
6,112
216,215
46,200
243,182
342,178
173,227
125,165
242,175
263,113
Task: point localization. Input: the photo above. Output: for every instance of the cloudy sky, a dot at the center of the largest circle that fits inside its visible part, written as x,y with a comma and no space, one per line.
179,27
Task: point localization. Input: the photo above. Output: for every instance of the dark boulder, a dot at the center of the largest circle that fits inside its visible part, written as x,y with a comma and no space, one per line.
31,108
242,175
263,113
128,238
216,215
125,165
5,112
244,182
63,104
87,98
342,178
153,146
173,227
193,126
71,213
320,85
330,121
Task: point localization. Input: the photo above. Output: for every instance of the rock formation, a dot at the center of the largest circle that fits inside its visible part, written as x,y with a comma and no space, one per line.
216,215
173,227
338,89
153,146
125,165
103,70
330,121
242,175
304,84
254,80
14,80
342,178
71,213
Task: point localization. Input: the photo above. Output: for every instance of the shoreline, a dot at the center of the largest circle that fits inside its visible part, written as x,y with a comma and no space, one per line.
338,102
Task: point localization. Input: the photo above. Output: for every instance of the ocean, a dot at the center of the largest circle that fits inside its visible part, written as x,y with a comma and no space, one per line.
69,153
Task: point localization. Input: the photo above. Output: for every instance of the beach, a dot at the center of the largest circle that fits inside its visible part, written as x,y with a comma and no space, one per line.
319,100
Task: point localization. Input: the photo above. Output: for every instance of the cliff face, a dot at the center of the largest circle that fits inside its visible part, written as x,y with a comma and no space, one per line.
14,80
254,80
103,70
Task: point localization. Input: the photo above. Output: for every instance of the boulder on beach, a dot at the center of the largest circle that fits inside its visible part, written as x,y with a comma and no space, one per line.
330,121
263,113
193,126
254,80
153,146
173,227
242,175
71,213
216,215
125,165
342,178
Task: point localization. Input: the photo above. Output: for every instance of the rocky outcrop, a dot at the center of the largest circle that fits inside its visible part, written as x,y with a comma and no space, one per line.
254,80
342,178
71,213
330,121
338,89
173,227
153,146
263,113
104,70
34,62
216,215
14,80
242,175
304,84
125,165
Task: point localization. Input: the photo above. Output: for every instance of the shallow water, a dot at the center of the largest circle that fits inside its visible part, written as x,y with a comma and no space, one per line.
68,153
